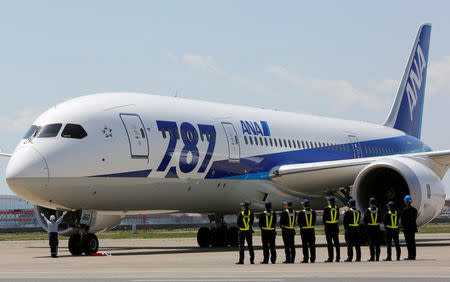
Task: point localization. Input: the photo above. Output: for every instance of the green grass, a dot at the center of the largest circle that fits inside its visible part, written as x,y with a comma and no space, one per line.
181,233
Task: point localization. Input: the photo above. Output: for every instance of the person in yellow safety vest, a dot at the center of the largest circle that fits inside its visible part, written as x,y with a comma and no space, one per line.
392,231
307,222
245,221
372,220
331,222
267,223
352,231
287,222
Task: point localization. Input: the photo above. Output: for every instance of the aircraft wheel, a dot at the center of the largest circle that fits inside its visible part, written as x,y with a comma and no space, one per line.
218,237
90,243
233,236
75,247
203,237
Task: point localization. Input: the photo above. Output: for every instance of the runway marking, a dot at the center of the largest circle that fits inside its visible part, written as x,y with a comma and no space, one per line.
204,279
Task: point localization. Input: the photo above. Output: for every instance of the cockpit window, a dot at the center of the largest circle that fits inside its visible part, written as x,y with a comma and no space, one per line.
49,130
75,131
30,131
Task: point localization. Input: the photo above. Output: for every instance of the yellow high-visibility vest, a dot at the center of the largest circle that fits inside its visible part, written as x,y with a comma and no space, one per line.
291,219
373,218
394,220
356,216
268,221
246,220
333,215
308,221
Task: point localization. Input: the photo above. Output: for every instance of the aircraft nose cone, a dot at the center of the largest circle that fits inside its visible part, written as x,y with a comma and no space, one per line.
26,163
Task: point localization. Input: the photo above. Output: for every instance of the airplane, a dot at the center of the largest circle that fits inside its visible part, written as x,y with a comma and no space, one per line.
103,156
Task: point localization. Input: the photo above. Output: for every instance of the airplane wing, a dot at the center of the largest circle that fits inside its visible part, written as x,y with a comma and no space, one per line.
325,177
3,154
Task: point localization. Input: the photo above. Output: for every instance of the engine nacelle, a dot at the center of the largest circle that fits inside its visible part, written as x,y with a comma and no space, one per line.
393,178
74,221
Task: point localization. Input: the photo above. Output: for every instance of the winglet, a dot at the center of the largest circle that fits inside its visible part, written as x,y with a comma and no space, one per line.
406,112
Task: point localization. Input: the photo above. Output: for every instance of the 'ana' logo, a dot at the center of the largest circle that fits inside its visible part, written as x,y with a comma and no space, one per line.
415,79
255,128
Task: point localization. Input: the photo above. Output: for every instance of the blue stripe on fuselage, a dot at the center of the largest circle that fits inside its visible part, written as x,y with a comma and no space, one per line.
258,167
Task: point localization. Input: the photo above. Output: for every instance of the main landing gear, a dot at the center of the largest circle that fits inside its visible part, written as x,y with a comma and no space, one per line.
83,243
219,236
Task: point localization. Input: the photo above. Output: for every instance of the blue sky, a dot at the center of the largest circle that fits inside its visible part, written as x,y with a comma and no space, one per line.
333,58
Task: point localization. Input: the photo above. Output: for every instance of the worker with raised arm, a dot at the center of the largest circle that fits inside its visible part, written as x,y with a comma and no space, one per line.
52,228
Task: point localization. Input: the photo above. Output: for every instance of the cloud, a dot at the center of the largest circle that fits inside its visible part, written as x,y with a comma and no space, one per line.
343,93
438,81
207,64
20,120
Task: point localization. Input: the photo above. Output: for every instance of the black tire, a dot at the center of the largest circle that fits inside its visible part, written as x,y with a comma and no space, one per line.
203,237
90,244
75,247
233,236
218,237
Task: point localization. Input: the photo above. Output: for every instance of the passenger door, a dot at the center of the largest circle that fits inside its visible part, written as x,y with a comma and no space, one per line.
356,147
137,136
233,142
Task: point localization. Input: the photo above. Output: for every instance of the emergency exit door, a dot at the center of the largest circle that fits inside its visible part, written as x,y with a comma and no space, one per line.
233,142
356,147
137,136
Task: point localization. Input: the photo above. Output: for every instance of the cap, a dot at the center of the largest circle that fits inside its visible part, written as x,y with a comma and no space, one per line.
268,204
306,203
351,202
372,201
408,199
391,204
52,217
331,199
289,203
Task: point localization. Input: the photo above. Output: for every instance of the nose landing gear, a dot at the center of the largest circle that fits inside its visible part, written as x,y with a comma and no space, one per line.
83,243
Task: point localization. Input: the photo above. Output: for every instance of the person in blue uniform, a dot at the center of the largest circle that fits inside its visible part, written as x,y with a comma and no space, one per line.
392,231
267,223
331,222
352,231
52,227
408,219
287,222
372,220
307,221
245,222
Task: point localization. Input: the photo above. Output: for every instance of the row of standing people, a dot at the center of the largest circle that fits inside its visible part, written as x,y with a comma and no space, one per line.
306,220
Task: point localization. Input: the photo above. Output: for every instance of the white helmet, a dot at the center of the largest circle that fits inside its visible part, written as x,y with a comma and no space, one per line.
52,217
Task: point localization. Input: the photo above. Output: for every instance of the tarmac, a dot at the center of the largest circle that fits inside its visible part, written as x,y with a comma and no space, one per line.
181,260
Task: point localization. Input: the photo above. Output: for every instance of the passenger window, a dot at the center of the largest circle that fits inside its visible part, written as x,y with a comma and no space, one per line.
298,144
261,141
303,145
202,138
270,141
293,143
171,134
245,139
265,141
76,131
256,140
49,130
30,131
251,140
280,142
289,142
163,132
285,143
275,141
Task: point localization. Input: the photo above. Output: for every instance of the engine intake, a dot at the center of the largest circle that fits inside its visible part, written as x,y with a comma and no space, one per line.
393,178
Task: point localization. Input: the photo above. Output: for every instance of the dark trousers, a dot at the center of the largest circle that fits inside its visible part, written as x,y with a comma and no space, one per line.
289,245
392,234
410,238
332,235
373,233
246,236
53,242
308,242
268,241
352,236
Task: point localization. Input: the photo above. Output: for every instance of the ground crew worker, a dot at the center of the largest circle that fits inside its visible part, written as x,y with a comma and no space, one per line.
307,221
267,222
330,220
408,218
52,228
372,220
244,222
352,231
287,222
392,231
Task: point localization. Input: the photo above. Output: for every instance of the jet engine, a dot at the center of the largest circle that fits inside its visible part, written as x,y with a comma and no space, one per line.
391,179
